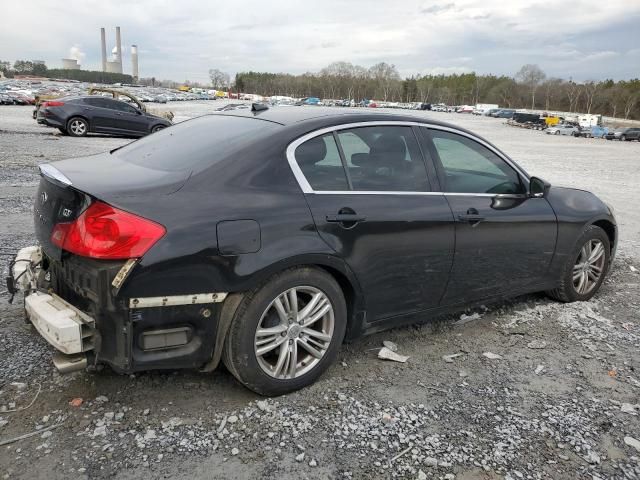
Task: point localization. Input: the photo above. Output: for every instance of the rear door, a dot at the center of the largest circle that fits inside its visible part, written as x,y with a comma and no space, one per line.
371,200
505,240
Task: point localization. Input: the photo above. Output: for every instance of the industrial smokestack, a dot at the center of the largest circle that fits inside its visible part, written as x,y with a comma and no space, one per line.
118,49
103,45
134,62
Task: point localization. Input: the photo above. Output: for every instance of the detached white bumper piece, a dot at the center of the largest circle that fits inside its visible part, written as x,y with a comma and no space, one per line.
24,270
60,323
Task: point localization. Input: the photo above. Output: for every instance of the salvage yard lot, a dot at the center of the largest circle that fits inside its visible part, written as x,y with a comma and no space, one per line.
558,403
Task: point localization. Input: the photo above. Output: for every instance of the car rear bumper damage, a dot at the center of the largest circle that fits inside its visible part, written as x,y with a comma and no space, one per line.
74,305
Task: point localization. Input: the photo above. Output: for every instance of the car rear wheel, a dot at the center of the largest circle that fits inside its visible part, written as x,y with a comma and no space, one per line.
623,138
157,128
557,132
286,333
77,127
585,268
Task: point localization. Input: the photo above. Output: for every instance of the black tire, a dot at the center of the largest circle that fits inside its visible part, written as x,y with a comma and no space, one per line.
557,132
566,291
157,128
239,355
77,127
623,138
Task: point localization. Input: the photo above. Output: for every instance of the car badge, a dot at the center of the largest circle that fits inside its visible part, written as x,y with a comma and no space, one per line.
43,198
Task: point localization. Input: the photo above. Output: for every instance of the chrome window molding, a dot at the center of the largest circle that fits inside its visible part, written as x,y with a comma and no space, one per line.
306,187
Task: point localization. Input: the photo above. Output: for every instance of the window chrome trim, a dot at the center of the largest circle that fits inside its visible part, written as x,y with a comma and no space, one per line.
306,187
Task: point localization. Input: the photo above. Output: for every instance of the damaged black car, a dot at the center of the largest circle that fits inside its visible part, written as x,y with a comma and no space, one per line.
264,238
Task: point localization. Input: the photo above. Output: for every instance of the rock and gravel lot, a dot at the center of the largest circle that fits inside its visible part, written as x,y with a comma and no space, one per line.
559,398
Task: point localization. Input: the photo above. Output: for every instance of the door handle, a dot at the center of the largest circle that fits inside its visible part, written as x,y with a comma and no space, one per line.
472,217
346,218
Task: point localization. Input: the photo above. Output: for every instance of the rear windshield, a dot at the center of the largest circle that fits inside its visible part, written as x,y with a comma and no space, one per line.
200,142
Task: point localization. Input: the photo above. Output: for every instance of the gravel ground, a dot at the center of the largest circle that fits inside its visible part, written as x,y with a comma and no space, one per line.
559,398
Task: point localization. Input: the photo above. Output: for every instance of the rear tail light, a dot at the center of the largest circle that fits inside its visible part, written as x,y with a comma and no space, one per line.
52,104
105,232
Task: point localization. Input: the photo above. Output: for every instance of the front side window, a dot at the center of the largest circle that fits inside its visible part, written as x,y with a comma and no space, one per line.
120,106
469,167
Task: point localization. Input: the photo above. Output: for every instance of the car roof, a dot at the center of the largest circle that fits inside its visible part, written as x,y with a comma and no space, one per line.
297,114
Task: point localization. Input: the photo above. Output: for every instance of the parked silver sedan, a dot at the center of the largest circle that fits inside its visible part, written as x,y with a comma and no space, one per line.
562,130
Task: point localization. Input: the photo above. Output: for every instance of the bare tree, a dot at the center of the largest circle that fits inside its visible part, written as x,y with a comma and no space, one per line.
387,78
219,79
531,76
573,94
590,90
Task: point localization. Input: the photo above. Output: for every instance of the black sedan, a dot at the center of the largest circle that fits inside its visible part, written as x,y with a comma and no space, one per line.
77,116
266,237
624,134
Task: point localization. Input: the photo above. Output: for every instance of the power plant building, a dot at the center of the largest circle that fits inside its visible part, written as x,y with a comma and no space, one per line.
114,64
70,64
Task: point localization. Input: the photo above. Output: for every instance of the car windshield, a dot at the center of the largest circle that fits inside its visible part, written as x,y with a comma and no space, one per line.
204,140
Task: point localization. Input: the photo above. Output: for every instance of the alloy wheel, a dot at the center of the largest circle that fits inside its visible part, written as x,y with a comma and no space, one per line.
589,266
78,127
294,332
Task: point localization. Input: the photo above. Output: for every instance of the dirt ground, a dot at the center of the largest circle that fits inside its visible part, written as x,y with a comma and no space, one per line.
561,402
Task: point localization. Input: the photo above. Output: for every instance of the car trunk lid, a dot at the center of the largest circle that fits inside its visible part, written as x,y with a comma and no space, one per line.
68,187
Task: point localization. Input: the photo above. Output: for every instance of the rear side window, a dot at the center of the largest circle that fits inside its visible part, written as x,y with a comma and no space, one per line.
377,158
197,143
469,167
321,165
384,158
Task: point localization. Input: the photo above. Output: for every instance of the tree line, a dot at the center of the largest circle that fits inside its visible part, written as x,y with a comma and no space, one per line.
26,67
529,87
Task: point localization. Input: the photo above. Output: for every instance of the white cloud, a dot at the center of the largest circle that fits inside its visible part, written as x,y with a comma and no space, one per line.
417,35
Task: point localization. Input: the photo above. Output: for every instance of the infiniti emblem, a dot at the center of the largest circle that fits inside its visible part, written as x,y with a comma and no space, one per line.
43,198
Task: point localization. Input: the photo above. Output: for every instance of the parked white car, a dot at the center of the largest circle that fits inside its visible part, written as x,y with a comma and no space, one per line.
562,130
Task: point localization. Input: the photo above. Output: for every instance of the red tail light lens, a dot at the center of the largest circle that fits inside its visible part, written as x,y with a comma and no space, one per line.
105,232
52,103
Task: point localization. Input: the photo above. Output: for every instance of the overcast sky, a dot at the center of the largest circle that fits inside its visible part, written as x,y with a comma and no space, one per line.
180,40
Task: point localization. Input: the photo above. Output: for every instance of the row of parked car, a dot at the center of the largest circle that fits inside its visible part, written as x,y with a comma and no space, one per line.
8,97
24,92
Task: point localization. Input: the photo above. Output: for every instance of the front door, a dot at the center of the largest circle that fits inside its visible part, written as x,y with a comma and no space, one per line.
505,240
371,201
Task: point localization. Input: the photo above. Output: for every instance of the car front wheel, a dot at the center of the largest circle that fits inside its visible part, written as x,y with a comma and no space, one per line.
157,128
285,334
585,268
77,127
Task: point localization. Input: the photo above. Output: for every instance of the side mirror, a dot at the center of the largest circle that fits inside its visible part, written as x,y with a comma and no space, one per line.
138,111
538,188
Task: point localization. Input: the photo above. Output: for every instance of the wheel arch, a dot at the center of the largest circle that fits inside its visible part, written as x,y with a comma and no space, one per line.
610,230
335,267
78,116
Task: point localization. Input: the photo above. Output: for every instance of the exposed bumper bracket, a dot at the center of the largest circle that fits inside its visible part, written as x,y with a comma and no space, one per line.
198,298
